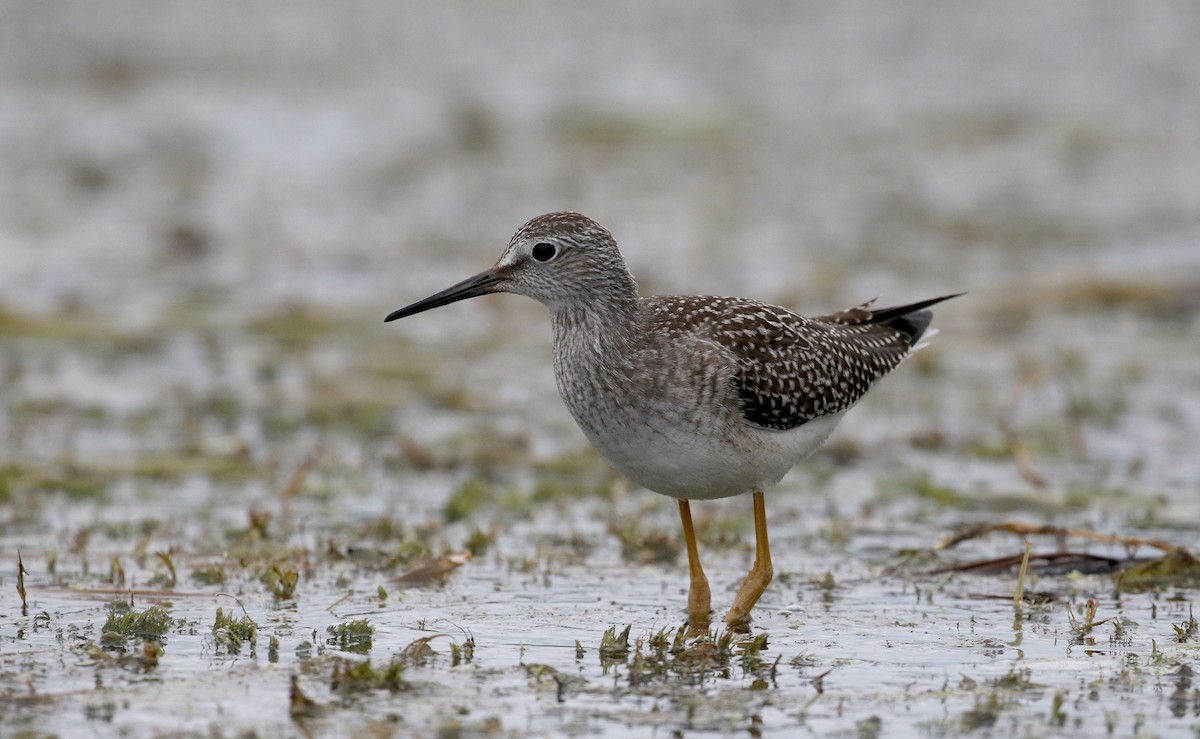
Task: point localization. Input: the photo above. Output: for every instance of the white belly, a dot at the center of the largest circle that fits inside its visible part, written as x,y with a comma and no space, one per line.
695,465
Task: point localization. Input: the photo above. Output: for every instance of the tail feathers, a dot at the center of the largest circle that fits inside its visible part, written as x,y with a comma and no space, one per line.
911,320
924,340
912,325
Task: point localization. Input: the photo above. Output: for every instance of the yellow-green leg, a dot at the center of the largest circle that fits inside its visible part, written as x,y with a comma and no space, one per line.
760,574
699,596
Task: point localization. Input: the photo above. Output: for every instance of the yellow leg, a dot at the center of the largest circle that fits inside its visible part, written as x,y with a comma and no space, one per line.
699,596
760,574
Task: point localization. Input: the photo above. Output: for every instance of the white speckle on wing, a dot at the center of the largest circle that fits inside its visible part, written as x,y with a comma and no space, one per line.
699,396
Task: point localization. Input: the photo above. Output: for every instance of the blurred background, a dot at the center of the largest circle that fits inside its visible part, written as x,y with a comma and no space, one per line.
212,206
183,174
207,209
358,154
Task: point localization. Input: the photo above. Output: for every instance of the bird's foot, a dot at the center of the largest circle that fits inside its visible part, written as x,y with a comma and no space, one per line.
738,621
698,624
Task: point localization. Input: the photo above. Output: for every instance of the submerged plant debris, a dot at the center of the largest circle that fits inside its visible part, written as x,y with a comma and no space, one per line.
234,503
351,636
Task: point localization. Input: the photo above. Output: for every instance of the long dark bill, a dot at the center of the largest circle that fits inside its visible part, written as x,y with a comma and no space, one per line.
472,287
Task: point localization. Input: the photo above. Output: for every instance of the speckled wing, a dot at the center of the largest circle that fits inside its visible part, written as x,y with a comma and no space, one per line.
792,369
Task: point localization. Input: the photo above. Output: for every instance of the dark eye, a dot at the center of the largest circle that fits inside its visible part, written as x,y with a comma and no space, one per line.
543,252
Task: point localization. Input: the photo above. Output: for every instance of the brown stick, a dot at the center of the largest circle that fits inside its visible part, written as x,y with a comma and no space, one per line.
1025,529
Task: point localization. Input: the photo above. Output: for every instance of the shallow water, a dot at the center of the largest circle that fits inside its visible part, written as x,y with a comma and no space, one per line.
206,213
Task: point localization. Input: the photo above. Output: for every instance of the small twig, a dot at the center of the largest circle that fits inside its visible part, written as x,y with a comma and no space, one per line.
1025,529
339,601
818,682
434,570
131,592
1014,560
1020,596
236,600
1089,622
21,584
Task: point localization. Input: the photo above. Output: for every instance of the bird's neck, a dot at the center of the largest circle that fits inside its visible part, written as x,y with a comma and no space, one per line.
602,327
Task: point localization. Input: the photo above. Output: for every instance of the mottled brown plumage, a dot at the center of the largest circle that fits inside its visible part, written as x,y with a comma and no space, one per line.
691,396
792,369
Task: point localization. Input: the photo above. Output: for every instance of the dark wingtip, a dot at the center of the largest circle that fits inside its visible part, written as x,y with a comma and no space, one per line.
912,325
912,319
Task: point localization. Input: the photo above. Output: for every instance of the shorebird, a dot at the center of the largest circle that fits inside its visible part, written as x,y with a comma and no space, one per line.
694,397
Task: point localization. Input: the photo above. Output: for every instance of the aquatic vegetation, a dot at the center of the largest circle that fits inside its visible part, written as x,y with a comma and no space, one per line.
351,636
1176,568
124,623
208,439
230,633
